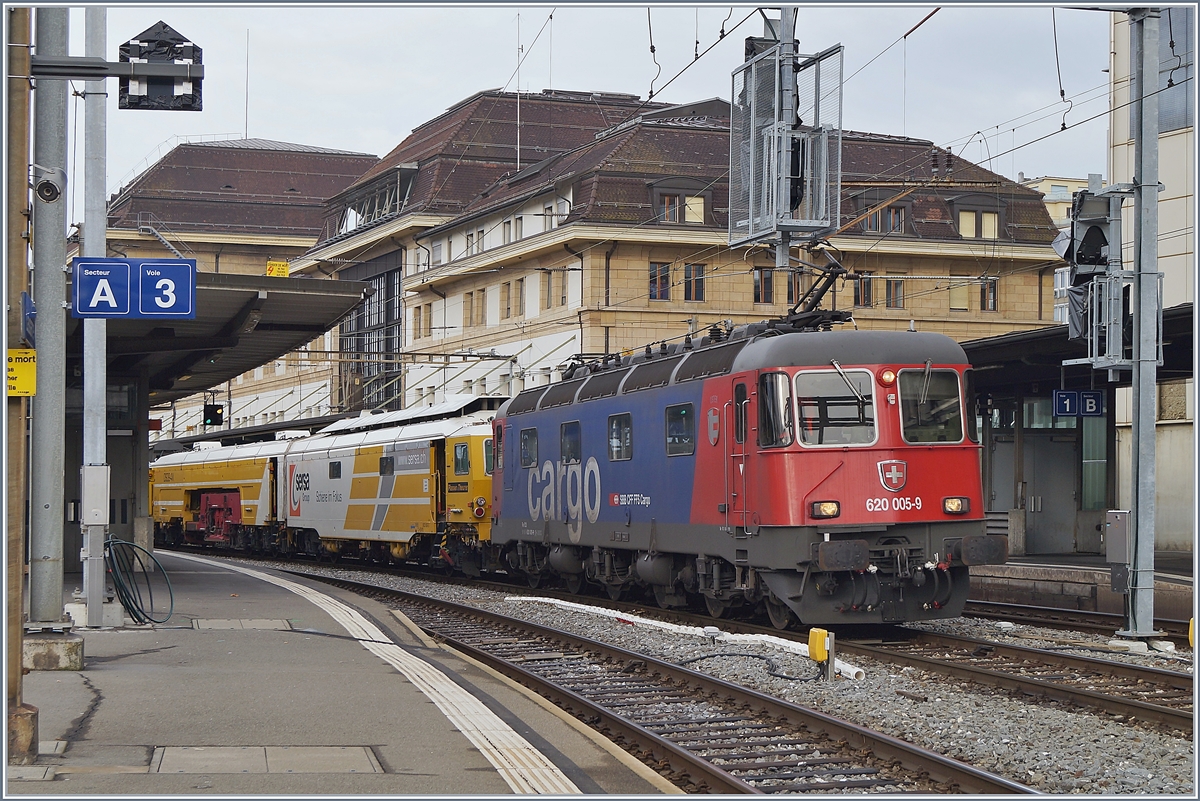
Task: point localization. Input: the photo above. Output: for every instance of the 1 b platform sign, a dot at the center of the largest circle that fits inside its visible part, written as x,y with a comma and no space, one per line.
133,289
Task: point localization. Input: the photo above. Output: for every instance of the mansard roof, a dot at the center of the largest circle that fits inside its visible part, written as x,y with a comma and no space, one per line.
240,186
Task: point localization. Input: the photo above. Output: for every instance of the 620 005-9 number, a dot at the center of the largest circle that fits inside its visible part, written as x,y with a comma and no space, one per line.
898,503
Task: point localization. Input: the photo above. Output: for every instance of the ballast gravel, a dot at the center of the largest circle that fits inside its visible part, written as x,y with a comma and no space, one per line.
1050,747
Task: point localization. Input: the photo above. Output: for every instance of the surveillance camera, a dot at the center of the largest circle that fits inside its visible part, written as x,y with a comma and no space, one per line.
48,183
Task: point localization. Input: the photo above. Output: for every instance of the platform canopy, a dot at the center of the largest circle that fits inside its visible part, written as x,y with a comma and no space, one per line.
1035,357
242,322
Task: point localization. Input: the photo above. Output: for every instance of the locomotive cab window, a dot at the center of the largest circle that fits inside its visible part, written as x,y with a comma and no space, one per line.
529,452
462,459
930,410
620,437
488,457
569,441
387,465
774,410
681,430
335,469
499,448
836,408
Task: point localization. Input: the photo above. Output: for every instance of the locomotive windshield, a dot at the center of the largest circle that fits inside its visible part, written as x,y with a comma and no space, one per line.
836,408
930,410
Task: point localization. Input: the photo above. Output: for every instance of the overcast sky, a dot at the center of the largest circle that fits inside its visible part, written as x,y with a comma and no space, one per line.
983,80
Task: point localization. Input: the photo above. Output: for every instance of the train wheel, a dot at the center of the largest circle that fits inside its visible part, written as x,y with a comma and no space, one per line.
716,607
574,582
780,614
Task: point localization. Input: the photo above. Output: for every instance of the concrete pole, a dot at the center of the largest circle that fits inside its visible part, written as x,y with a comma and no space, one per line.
22,719
95,331
50,293
1145,319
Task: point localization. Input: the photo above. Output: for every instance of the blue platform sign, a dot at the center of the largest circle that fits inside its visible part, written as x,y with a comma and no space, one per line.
1066,403
1091,403
133,289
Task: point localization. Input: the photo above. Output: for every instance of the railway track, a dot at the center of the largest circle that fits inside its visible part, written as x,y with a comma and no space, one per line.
708,735
1072,619
1118,688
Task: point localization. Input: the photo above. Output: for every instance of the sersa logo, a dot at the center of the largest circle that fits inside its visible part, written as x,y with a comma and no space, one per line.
299,484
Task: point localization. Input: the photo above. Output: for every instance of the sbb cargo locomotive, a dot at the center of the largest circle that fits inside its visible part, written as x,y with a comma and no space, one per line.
830,476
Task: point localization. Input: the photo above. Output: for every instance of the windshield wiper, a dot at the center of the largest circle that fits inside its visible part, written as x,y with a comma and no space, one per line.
925,383
862,401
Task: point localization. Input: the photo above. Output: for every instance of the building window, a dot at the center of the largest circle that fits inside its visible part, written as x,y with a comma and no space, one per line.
468,309
547,218
518,227
862,291
895,293
668,208
479,241
885,221
660,281
872,224
693,282
470,243
437,252
429,320
549,296
966,224
693,209
764,285
507,231
505,301
895,219
481,307
978,224
987,295
519,301
416,323
795,287
989,225
959,292
620,437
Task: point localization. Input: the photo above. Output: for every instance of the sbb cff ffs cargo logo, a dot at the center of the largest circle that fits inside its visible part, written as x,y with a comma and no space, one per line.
300,483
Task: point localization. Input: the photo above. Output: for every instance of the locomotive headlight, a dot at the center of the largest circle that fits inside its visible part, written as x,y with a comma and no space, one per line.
826,509
887,378
956,506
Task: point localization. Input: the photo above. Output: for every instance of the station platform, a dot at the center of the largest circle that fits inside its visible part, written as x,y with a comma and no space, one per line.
263,683
1083,582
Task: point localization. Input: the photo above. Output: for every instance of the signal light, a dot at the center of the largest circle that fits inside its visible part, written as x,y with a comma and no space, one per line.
826,509
956,506
214,414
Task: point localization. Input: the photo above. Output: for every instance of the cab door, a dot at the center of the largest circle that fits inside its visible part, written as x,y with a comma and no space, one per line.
735,463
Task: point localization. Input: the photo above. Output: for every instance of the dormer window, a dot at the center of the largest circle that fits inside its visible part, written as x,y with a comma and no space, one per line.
885,221
974,224
680,201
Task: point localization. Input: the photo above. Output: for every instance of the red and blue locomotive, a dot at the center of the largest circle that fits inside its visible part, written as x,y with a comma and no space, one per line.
830,476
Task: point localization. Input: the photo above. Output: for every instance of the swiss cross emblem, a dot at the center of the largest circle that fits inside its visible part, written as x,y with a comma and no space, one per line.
893,474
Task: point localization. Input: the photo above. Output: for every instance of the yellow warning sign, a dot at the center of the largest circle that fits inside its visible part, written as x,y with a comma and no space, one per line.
277,269
22,371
